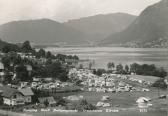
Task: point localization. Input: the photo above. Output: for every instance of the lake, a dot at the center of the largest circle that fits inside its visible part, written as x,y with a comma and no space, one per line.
103,55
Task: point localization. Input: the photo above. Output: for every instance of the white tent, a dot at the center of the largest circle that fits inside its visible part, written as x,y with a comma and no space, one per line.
106,105
99,104
75,98
105,98
143,100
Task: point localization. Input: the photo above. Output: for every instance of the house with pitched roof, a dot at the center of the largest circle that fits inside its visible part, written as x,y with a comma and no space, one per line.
27,94
12,96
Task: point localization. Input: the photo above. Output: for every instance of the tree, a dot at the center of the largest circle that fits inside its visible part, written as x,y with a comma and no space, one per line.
90,65
160,84
80,66
41,53
61,57
134,67
147,70
110,65
76,57
113,65
69,57
126,68
11,59
10,48
56,70
119,68
99,72
22,73
26,47
48,54
163,73
7,78
6,49
63,75
49,61
6,62
94,71
40,71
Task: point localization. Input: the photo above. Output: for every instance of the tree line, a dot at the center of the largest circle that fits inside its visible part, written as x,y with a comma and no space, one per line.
41,53
55,66
139,69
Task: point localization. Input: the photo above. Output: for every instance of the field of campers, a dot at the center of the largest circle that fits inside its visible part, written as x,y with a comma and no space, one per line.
119,90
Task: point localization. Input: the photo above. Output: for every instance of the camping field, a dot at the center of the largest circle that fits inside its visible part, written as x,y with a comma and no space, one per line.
121,99
124,99
125,102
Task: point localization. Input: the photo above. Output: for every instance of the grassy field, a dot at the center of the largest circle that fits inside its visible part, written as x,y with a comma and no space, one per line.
121,99
124,100
145,78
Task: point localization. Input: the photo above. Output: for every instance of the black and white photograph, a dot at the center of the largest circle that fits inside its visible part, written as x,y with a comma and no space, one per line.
83,57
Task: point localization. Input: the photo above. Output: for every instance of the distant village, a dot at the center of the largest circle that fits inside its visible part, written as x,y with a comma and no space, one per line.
32,78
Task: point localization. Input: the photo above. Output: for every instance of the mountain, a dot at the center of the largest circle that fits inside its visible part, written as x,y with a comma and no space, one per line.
150,29
100,26
42,31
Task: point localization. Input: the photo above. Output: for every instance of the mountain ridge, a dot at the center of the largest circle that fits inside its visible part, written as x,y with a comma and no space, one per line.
41,31
102,25
151,25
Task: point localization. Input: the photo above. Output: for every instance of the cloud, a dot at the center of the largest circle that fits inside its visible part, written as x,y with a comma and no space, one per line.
62,10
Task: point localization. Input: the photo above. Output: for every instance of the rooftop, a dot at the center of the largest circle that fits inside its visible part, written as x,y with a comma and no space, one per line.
27,92
7,91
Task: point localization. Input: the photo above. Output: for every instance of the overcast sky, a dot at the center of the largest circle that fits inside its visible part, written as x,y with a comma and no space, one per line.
62,10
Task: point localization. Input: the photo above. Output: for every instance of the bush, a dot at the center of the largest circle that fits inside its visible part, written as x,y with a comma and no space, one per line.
61,102
160,84
99,72
81,106
84,105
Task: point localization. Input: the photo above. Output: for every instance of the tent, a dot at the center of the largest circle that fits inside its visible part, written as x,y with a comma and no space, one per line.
105,98
99,104
143,100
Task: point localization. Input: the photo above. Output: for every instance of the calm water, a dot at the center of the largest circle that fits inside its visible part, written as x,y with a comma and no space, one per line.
103,55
